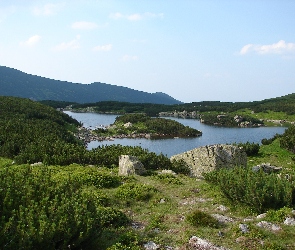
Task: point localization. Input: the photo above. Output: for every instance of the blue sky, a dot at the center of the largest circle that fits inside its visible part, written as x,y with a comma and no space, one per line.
193,50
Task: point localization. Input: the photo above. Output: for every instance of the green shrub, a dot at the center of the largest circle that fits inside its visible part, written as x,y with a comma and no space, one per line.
258,190
201,219
180,167
278,215
251,149
167,179
38,212
138,192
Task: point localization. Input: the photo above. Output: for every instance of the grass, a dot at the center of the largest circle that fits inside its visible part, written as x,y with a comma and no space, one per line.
179,207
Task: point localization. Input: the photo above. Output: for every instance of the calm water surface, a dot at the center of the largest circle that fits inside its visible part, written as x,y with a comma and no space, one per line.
211,135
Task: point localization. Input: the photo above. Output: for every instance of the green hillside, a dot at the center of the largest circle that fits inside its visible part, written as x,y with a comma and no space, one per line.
16,83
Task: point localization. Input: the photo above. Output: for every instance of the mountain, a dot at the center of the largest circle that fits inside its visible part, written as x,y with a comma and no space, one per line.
16,83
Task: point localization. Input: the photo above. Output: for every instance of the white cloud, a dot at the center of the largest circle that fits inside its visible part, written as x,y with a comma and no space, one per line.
33,40
47,10
126,58
136,16
84,25
106,47
281,48
72,45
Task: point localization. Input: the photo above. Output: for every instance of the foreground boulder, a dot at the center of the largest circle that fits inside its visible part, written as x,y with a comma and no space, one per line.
130,165
208,158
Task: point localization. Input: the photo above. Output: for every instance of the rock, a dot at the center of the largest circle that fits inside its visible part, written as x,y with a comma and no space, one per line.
269,226
244,228
223,218
261,216
37,164
151,246
198,243
289,221
167,171
267,168
130,165
208,158
222,208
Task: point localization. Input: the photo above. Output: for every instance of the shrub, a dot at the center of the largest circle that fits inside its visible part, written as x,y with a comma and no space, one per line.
180,167
251,149
202,219
278,215
258,190
167,179
38,212
138,192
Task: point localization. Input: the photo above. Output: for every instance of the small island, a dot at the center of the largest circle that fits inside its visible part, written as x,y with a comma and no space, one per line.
143,126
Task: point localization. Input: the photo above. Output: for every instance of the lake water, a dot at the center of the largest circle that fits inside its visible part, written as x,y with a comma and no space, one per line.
211,135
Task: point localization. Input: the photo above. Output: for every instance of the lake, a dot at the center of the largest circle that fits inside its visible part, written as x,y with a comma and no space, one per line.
211,134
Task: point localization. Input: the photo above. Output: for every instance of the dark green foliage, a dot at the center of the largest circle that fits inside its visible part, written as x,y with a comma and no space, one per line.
251,149
42,212
138,192
279,215
287,140
258,190
180,167
266,141
198,218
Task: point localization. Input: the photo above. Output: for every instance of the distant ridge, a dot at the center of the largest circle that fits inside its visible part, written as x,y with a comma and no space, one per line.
17,83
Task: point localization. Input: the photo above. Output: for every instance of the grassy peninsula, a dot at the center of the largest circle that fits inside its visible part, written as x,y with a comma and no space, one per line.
54,194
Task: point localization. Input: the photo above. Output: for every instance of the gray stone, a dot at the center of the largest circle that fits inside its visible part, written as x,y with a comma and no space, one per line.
269,226
130,165
289,221
151,246
267,168
198,243
208,158
244,228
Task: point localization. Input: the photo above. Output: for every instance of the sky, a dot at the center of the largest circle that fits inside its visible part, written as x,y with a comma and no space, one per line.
192,50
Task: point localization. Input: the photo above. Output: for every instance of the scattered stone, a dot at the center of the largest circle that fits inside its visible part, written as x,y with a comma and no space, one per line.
269,226
244,228
289,221
223,218
220,234
150,246
36,164
222,208
267,168
137,225
162,200
130,165
208,158
261,216
167,171
198,243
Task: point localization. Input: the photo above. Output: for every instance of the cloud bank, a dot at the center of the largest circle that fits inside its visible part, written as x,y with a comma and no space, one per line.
281,48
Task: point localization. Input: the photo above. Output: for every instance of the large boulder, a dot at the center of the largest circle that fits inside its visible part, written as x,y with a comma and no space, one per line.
130,165
208,158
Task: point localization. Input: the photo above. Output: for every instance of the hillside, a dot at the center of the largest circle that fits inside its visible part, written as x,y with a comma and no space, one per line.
16,83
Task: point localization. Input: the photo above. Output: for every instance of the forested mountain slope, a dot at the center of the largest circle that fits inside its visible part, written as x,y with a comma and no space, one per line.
16,83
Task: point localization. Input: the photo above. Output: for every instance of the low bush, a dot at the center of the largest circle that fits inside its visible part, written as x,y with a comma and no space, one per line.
38,212
258,190
201,219
167,179
138,192
180,167
251,149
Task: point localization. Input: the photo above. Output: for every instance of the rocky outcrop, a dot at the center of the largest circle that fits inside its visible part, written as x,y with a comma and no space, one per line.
208,158
181,114
130,165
